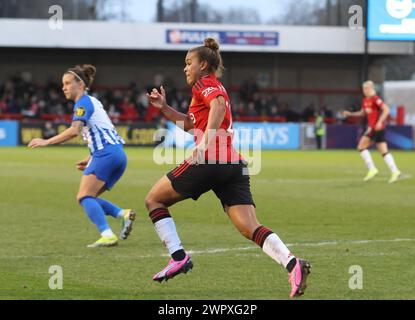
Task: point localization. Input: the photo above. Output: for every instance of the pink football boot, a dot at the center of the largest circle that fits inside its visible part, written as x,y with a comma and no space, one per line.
298,277
174,268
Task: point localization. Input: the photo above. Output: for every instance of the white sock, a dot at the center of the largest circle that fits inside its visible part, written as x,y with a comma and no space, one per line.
368,159
391,163
166,230
120,214
277,250
107,233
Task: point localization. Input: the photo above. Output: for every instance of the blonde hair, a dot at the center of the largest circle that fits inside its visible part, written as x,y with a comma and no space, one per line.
369,83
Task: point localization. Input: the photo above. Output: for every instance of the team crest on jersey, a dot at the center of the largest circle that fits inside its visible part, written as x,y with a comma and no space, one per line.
80,112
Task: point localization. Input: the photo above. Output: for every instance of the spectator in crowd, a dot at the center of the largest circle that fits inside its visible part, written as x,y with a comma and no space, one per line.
113,112
261,106
274,111
128,109
141,103
308,112
3,106
327,112
34,110
49,131
248,90
239,110
289,114
252,112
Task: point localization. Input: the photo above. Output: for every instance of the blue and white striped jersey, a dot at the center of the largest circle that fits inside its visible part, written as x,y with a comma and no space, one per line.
99,130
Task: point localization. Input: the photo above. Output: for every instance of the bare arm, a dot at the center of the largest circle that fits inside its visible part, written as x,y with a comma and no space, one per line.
385,113
158,100
216,115
359,113
73,131
177,117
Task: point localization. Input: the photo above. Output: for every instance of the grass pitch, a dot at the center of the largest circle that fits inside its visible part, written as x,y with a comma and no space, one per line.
315,201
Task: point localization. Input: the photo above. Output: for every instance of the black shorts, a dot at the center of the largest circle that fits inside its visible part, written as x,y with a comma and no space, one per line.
376,136
228,181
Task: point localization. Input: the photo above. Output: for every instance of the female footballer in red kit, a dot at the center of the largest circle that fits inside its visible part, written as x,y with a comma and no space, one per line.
214,165
376,112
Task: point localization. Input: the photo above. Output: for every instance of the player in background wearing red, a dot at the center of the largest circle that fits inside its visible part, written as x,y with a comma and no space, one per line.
214,165
376,112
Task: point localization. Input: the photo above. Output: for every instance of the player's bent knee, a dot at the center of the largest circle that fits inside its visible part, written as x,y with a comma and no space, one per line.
150,201
246,232
80,196
361,148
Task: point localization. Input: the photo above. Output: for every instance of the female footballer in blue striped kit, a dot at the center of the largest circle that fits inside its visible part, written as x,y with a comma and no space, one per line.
107,160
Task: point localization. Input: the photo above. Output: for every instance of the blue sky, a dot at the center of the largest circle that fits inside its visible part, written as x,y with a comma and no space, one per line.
145,10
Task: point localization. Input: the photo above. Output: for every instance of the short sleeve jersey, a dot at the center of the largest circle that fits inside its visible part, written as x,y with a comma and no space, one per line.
204,91
372,108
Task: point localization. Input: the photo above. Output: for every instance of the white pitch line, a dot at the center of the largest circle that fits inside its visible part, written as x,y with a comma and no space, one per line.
325,243
330,180
222,250
310,244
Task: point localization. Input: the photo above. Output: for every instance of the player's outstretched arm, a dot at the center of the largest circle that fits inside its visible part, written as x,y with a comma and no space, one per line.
73,131
158,100
359,113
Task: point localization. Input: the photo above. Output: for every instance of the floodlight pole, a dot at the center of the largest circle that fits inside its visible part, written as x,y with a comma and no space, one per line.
160,11
193,10
328,9
365,73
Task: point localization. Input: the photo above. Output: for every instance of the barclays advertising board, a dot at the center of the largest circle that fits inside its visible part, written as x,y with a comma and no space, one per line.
266,136
247,135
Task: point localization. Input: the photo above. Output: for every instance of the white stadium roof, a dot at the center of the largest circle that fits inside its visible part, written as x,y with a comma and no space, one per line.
31,33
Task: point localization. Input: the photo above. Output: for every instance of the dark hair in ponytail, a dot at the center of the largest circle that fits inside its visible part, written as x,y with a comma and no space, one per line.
210,53
85,73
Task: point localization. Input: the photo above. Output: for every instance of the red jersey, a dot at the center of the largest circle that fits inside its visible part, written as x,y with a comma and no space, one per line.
373,109
204,91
